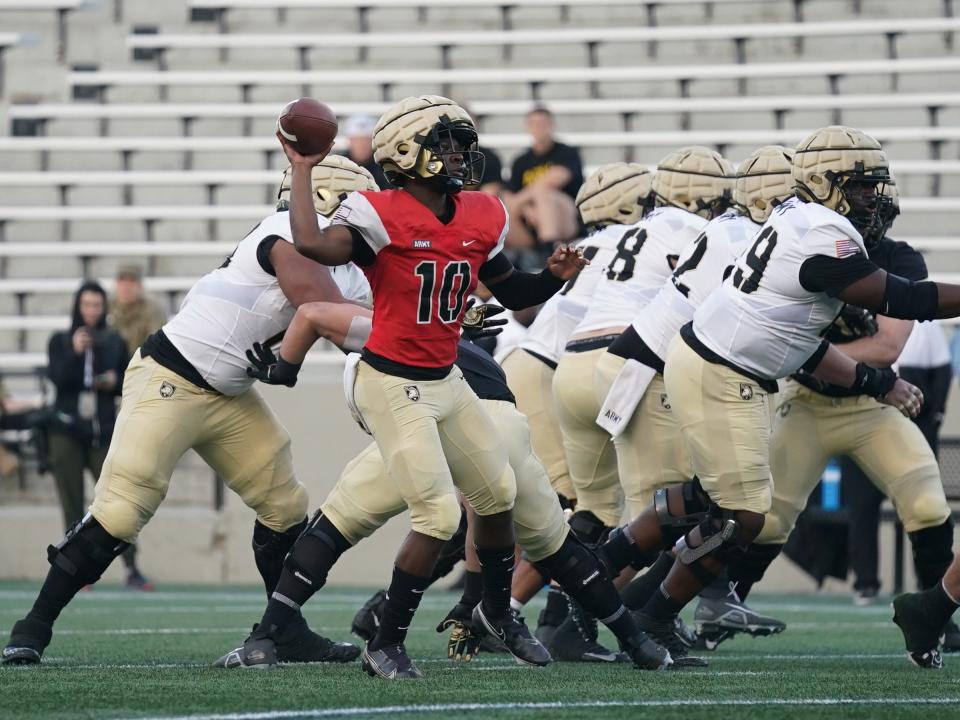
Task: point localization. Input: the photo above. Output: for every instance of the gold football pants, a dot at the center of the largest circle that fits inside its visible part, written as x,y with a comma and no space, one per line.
809,429
366,497
435,437
162,415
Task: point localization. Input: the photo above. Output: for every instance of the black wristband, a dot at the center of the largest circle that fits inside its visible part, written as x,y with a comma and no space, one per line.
875,382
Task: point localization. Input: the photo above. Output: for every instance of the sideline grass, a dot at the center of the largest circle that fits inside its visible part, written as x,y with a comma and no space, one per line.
118,654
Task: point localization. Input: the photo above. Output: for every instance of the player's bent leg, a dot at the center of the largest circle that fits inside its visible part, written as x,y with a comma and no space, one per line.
78,560
589,449
650,452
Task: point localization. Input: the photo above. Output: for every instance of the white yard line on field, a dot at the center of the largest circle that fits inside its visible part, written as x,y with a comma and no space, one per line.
556,705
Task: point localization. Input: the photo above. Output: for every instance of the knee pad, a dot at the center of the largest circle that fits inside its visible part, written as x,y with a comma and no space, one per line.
719,533
283,506
932,552
696,506
575,566
86,551
315,551
270,548
443,515
588,527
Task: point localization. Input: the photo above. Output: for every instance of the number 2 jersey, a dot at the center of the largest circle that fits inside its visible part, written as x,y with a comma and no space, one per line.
644,257
768,315
421,271
234,306
700,271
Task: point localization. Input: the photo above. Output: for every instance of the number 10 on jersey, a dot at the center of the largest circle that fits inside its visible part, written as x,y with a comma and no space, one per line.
454,283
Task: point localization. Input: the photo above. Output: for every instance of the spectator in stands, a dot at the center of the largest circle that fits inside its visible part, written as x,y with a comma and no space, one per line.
543,184
492,180
133,314
359,132
86,364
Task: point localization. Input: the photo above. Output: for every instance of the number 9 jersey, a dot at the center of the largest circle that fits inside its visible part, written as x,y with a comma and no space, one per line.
763,319
422,269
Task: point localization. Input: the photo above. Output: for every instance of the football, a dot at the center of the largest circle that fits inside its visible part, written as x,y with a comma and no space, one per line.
308,124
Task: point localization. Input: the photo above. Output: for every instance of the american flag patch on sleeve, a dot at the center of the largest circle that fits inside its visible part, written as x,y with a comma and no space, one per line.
846,247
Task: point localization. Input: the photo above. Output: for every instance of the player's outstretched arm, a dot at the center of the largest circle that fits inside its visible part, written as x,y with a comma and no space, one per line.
884,347
897,297
344,324
516,290
837,368
332,245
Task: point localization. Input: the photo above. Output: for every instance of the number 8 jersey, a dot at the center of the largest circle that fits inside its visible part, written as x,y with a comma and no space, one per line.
422,269
763,319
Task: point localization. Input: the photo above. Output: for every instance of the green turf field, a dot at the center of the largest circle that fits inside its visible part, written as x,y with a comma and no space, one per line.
119,654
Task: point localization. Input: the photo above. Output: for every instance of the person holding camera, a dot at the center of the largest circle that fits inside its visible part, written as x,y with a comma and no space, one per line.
86,364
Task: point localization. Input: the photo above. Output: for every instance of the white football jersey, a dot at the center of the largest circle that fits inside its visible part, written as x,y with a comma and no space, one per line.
645,256
561,314
761,318
699,272
240,303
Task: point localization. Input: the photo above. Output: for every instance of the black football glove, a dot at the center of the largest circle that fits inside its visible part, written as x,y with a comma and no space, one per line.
268,368
852,323
477,324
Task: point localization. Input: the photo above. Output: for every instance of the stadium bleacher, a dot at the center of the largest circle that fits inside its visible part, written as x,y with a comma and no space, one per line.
178,181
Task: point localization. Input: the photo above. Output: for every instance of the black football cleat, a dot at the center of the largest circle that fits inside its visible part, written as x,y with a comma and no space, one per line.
299,644
367,620
920,635
576,641
512,631
664,633
258,652
719,618
28,639
646,654
390,662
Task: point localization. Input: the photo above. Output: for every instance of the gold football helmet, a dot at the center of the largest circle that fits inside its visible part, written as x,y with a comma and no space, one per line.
696,179
764,180
333,179
429,137
844,169
618,193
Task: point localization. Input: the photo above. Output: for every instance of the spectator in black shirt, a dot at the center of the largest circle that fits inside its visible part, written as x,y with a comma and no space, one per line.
492,180
359,132
86,365
543,184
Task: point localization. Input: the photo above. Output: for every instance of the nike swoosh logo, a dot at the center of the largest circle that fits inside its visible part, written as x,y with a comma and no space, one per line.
465,243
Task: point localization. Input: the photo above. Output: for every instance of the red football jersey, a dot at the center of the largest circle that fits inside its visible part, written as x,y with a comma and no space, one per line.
424,270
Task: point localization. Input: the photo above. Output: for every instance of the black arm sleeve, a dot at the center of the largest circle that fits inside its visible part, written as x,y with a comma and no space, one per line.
519,289
907,300
362,255
263,253
830,275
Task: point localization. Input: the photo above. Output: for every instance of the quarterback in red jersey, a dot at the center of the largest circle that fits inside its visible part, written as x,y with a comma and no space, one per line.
423,248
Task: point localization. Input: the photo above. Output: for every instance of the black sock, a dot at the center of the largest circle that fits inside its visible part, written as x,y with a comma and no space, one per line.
403,598
749,569
472,589
57,591
932,552
269,550
496,568
636,594
661,606
310,559
601,599
942,606
75,563
718,589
